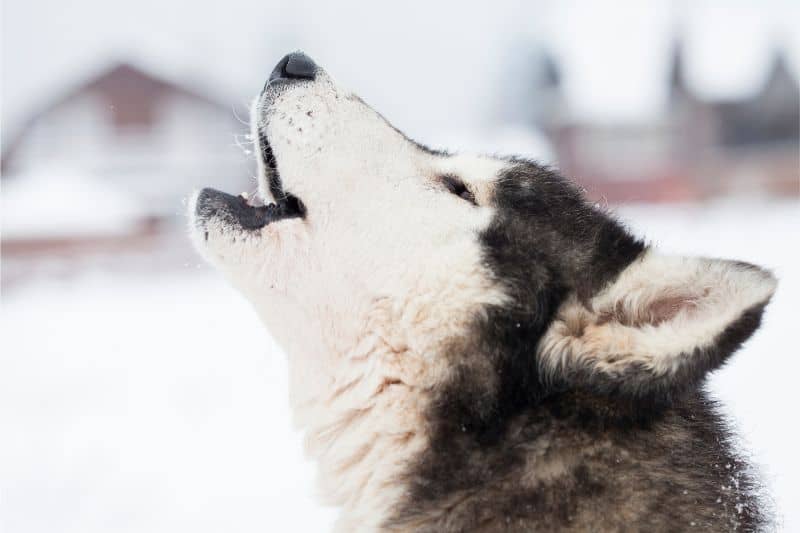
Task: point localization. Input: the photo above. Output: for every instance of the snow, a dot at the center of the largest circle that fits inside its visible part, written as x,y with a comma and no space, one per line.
145,404
58,202
158,403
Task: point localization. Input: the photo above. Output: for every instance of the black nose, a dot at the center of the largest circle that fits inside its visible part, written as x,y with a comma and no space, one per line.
296,66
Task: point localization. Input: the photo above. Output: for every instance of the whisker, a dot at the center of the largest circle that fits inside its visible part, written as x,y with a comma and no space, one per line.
237,117
247,145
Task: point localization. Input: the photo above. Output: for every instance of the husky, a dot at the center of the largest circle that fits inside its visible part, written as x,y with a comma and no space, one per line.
472,345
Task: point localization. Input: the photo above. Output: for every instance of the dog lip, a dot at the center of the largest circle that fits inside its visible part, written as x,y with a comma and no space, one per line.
239,212
274,183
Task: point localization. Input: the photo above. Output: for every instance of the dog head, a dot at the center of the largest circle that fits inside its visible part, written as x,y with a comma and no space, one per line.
368,250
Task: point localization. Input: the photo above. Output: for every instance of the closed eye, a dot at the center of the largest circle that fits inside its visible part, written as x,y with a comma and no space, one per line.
455,186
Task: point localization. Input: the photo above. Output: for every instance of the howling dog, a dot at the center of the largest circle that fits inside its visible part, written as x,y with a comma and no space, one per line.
472,345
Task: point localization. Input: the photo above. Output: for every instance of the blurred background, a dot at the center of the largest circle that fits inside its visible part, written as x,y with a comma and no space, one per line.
139,393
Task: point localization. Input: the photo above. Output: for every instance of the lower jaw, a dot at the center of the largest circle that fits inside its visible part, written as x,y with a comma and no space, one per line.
245,213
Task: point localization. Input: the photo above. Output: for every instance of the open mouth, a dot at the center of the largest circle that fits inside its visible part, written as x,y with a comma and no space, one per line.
245,212
250,212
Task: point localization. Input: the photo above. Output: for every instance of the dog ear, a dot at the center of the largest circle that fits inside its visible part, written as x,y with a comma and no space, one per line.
656,330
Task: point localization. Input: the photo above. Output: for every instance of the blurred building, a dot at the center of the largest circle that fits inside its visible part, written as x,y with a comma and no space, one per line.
122,149
697,149
739,147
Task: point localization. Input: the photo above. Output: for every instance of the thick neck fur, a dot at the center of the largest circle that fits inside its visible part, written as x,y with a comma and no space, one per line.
364,402
578,462
364,423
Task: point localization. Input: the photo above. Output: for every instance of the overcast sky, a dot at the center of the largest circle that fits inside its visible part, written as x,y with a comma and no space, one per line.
426,65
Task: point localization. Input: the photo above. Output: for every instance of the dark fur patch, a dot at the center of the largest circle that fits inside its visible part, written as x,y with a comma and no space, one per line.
268,157
509,452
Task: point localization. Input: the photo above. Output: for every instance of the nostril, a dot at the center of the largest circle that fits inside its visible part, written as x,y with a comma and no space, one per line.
296,65
300,66
277,72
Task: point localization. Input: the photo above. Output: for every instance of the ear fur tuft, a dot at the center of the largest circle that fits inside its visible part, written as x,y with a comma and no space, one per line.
658,329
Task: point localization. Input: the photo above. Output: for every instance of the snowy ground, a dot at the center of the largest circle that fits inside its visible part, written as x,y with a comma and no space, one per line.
157,403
